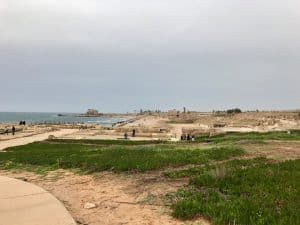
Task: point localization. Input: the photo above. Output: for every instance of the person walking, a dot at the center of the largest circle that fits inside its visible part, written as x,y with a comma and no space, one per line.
13,130
188,137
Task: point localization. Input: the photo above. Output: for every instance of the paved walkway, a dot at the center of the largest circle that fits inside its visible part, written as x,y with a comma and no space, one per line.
33,138
22,203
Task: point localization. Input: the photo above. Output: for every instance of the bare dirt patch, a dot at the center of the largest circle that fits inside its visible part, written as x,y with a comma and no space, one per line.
278,150
119,198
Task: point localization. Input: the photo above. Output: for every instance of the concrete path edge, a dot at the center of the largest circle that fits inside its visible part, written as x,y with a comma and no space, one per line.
23,203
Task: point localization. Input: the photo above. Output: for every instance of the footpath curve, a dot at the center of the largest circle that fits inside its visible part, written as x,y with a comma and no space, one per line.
22,203
33,138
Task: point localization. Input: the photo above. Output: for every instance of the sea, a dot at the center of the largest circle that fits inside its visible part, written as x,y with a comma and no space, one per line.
56,118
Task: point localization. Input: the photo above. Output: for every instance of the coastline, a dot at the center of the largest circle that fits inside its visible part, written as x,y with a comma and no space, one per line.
36,118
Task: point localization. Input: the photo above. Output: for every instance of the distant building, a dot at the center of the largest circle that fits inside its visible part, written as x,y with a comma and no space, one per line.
92,112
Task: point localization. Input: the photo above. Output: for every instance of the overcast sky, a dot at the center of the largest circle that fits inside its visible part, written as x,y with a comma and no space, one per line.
117,55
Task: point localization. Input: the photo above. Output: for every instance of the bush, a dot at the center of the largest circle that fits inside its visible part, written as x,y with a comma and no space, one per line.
233,111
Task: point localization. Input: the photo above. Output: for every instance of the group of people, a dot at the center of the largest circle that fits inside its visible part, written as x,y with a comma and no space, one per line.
22,122
126,135
13,129
187,137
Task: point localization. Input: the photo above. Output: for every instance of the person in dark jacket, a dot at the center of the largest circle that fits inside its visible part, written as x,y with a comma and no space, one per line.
188,137
13,130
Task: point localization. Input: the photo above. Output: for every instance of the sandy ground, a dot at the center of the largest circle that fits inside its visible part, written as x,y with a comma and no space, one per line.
148,121
33,138
94,135
205,123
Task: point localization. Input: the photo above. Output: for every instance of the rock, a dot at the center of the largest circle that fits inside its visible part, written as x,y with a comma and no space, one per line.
22,178
81,222
89,205
50,137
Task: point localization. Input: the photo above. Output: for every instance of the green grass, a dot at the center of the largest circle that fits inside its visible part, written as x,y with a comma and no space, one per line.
90,158
242,192
251,136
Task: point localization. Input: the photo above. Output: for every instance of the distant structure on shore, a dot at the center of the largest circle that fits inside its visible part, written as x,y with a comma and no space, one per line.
92,112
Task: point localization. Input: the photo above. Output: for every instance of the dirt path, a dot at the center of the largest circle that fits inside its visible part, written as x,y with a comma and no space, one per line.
33,138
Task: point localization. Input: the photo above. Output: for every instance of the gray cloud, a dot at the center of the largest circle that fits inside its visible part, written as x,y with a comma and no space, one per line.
119,55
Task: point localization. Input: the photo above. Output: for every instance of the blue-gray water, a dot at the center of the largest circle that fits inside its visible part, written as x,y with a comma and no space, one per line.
37,118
